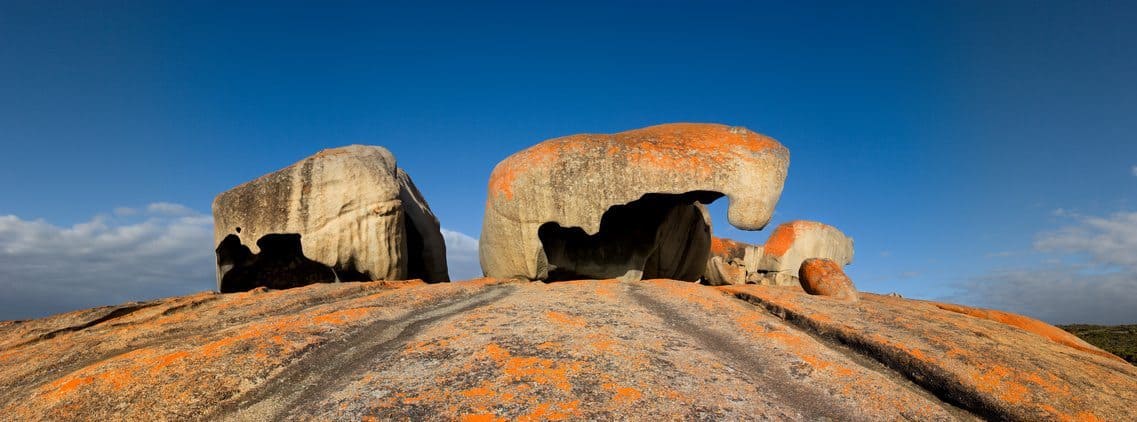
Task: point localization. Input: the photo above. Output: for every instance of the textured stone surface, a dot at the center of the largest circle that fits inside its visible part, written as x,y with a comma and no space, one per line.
792,243
484,350
725,264
823,277
575,183
354,211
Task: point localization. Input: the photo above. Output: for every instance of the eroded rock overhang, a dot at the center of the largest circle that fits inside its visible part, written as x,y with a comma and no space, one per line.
574,181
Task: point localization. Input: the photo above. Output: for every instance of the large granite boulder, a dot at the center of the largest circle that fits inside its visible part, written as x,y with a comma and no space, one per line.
344,214
779,260
583,350
626,205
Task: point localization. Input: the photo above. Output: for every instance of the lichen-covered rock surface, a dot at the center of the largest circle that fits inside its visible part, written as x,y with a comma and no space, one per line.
590,350
824,277
614,194
351,209
792,243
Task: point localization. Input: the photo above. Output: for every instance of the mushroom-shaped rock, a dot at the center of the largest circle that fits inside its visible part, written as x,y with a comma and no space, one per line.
792,243
625,205
823,277
347,214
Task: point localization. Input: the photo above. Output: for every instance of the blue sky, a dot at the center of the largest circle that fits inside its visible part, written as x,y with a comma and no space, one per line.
978,152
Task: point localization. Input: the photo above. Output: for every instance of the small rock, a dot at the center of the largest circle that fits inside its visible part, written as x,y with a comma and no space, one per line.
824,277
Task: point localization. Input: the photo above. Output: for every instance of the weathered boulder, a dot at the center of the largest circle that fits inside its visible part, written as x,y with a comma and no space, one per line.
726,264
592,350
625,205
791,244
823,277
728,249
346,214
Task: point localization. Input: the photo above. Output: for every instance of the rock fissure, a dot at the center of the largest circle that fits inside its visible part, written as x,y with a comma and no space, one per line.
721,344
929,377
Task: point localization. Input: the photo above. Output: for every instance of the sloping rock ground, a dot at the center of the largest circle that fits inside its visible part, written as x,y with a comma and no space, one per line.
489,349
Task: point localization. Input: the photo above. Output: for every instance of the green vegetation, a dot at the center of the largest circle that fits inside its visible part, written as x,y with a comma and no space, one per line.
1120,340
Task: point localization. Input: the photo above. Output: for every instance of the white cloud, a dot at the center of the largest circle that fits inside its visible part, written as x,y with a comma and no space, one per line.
1134,170
1091,275
166,208
162,251
1109,241
461,255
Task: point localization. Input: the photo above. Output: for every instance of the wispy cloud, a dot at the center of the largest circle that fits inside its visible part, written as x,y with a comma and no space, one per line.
461,255
1090,274
161,250
1134,170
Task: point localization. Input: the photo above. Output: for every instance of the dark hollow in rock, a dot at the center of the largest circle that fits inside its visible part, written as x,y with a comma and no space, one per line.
657,236
281,264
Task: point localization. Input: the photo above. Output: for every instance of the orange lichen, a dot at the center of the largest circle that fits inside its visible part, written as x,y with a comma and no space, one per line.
566,319
626,395
997,380
341,317
687,147
166,360
1032,325
551,412
481,417
727,248
784,235
478,392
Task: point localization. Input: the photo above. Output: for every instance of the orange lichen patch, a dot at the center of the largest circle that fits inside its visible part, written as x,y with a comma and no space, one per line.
166,360
534,369
825,365
566,319
601,343
342,317
784,235
751,322
478,392
997,380
481,417
67,385
507,171
780,240
1032,325
686,147
1050,385
626,395
551,412
727,248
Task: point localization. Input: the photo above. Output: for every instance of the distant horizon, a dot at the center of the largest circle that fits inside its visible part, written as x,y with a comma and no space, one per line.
979,154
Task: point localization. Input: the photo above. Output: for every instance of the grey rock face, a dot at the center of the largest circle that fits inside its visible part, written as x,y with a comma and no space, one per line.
343,214
625,205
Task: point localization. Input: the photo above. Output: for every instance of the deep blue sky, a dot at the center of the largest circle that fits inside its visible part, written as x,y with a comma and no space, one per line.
943,136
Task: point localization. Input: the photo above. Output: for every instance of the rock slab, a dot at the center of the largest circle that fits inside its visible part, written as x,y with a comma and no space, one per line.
589,350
